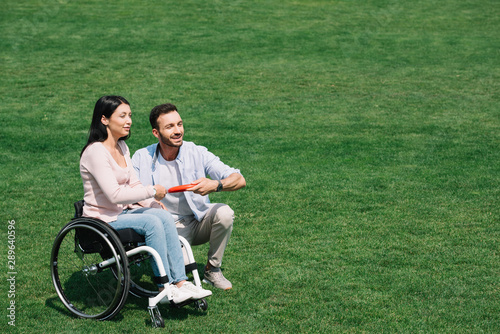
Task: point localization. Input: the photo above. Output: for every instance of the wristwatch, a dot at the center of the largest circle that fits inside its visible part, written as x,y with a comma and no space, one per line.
219,187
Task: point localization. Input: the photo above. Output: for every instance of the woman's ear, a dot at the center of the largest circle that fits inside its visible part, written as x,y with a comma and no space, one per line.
104,120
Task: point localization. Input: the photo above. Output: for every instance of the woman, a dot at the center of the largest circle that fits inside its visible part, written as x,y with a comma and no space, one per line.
115,195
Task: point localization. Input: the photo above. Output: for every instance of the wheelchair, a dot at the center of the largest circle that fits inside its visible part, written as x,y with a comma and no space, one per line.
94,267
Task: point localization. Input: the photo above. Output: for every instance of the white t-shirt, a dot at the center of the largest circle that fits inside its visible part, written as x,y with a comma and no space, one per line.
170,177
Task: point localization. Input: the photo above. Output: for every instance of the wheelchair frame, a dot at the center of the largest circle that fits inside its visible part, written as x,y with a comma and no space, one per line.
90,256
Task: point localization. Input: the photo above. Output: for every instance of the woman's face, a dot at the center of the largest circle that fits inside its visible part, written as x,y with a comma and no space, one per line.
119,123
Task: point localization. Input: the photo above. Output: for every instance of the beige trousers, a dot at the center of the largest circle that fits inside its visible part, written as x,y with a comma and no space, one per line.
215,228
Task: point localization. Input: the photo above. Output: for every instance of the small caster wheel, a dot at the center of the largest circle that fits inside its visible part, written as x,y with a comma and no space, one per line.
156,318
159,323
201,304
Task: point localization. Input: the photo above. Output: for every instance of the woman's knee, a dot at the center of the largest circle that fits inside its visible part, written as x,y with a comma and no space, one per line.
165,220
154,225
163,215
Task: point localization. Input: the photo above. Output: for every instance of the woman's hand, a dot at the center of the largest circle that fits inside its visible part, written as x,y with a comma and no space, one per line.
160,192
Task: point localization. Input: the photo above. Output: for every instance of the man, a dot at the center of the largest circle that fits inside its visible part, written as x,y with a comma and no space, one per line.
172,162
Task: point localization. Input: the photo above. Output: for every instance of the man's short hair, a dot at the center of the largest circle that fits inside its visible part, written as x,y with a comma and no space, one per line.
157,111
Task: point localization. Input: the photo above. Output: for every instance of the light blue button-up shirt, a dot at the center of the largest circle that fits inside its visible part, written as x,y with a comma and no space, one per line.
194,162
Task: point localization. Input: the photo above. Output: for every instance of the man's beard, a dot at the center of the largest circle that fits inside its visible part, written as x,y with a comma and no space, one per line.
168,142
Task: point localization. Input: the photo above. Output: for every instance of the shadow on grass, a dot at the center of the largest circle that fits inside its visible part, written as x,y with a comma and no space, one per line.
96,292
168,312
56,304
134,303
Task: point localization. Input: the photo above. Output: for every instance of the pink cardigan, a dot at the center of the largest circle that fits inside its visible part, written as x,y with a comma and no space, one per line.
109,188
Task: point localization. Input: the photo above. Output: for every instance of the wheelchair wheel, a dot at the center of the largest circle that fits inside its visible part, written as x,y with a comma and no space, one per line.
141,277
89,269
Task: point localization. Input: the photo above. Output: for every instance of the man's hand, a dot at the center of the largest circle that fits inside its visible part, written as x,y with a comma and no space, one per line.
204,186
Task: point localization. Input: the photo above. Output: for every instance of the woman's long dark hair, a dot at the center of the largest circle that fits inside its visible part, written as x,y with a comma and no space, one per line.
105,106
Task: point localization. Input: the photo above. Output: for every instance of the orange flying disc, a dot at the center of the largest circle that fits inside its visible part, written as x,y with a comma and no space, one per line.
181,188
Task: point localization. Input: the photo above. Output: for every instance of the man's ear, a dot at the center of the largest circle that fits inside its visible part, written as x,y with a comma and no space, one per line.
156,133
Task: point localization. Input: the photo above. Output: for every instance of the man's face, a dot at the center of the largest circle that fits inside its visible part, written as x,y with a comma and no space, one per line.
171,130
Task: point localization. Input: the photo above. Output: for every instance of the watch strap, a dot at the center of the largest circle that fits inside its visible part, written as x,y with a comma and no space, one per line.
219,187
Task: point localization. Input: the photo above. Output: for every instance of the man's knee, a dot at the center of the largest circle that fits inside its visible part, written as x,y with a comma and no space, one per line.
225,216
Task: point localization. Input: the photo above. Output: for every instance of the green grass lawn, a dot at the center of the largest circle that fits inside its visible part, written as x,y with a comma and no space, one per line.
368,133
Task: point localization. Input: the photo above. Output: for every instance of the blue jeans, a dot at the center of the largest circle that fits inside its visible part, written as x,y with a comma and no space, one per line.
159,229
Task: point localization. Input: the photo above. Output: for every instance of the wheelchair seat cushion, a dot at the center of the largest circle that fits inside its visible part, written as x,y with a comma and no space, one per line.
128,235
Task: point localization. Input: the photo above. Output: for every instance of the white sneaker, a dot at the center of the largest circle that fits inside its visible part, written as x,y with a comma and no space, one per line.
179,294
196,292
